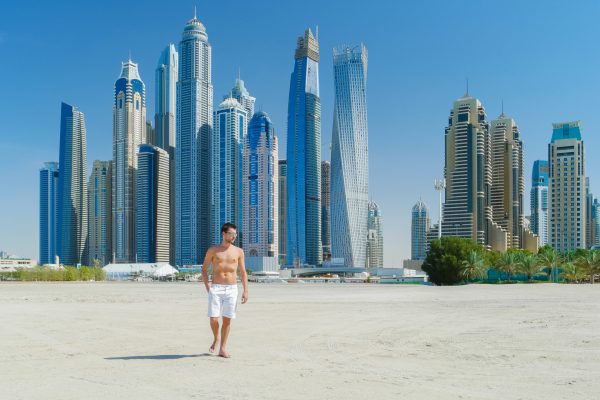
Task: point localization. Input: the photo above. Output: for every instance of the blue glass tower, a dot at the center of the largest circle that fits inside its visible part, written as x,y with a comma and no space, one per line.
539,200
193,153
419,227
48,212
72,188
304,156
350,157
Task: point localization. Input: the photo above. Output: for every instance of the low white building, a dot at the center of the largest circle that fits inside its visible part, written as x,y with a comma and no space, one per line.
125,271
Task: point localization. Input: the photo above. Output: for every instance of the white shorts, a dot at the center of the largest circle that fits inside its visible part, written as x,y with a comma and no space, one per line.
222,300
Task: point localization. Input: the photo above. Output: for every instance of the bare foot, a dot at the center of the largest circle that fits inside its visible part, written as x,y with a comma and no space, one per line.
211,349
224,354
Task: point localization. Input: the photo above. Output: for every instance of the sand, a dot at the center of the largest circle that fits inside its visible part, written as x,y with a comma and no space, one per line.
314,341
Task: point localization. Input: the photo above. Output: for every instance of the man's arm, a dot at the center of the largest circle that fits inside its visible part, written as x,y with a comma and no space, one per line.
205,265
243,276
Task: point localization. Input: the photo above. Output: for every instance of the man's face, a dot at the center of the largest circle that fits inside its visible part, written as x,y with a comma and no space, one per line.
230,235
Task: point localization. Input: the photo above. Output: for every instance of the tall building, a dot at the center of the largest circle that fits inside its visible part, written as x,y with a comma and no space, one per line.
326,209
72,188
282,194
260,177
231,125
374,236
192,155
419,227
48,212
152,205
468,172
589,215
100,213
508,182
596,223
129,132
166,77
241,94
539,200
566,156
349,156
303,228
150,134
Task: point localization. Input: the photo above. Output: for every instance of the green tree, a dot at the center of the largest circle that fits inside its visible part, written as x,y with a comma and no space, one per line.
508,263
572,272
444,261
474,267
589,262
550,259
529,264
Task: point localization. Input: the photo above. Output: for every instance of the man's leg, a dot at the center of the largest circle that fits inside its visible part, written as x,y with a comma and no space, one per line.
214,325
224,336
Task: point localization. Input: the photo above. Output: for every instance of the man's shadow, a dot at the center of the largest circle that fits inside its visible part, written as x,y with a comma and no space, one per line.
159,357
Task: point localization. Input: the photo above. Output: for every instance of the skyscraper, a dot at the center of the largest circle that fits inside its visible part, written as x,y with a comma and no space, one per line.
566,190
72,187
468,172
129,131
596,223
192,155
165,125
231,125
152,205
508,182
419,228
539,200
260,177
99,213
326,209
304,156
282,194
349,156
241,94
589,215
48,212
374,236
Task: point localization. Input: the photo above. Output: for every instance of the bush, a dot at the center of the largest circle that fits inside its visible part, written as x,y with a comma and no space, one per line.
55,275
444,261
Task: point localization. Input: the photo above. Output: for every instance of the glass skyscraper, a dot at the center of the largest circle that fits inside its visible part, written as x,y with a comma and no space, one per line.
374,236
349,156
230,128
48,212
241,94
194,120
152,205
539,200
129,132
72,188
260,183
282,194
419,227
304,156
326,209
99,213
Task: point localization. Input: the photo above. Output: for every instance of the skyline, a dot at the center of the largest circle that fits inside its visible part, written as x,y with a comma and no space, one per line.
423,110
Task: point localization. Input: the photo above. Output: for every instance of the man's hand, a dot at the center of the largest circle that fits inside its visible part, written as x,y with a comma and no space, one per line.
244,297
207,287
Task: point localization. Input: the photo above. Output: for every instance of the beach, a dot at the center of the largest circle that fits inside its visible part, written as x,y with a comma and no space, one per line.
130,340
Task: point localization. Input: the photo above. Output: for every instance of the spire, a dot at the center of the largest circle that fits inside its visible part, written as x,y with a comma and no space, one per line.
238,72
467,92
195,12
129,55
502,113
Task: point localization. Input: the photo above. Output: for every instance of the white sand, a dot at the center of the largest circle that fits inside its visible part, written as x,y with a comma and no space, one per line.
322,341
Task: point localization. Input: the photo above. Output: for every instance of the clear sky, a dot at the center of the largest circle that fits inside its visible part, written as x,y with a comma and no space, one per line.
542,58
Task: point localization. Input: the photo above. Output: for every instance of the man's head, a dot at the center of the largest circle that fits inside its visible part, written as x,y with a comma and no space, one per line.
229,232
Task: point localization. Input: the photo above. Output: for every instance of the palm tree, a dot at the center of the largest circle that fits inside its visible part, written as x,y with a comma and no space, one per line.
508,263
590,263
529,264
573,272
473,267
550,259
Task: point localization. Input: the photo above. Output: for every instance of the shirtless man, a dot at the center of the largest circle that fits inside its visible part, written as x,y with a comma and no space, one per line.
223,292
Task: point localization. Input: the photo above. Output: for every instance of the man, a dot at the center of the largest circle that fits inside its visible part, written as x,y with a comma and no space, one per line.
222,292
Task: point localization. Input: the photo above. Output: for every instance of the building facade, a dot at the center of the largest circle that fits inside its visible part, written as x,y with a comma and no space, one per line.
303,228
241,94
129,132
230,127
566,190
152,205
418,232
260,184
48,212
72,188
326,209
374,237
194,121
282,196
166,76
539,200
100,213
349,156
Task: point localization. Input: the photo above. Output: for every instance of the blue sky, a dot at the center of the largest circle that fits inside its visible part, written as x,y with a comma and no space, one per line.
541,58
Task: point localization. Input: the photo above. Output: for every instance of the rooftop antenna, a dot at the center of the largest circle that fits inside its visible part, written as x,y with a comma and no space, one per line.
129,55
502,108
238,72
467,93
195,12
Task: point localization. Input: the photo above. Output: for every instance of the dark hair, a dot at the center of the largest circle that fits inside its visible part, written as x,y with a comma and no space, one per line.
226,227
